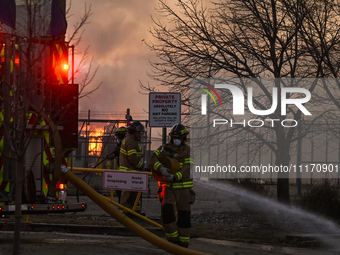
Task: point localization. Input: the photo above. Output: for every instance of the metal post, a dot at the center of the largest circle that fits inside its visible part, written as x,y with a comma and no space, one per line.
226,152
72,64
326,152
164,136
87,142
208,127
298,160
312,156
260,158
339,163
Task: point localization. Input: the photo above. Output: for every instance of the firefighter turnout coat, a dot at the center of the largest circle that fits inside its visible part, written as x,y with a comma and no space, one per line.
130,153
129,160
177,194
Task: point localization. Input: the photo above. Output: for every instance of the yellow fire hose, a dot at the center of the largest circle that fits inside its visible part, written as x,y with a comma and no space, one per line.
98,170
133,212
119,205
123,219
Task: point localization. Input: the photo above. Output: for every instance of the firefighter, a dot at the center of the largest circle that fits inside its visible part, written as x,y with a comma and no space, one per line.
175,190
120,134
129,159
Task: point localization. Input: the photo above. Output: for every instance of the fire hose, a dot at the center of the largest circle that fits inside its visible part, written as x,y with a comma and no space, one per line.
101,161
123,219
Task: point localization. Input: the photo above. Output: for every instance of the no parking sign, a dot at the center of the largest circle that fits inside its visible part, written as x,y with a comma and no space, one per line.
164,109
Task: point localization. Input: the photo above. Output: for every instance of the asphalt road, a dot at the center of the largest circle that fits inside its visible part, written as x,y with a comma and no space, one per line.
44,243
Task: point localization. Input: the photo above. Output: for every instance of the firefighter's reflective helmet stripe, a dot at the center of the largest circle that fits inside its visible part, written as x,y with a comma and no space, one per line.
184,239
121,130
178,131
171,235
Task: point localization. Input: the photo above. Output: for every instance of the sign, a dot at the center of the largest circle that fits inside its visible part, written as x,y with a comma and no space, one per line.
164,109
124,180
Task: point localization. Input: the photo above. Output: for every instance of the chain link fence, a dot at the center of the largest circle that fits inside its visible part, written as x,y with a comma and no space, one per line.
96,140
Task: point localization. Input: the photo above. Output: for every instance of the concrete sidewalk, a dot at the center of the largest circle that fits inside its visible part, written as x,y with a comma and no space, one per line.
34,243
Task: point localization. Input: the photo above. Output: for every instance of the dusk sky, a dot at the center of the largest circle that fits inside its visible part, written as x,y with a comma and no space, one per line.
114,33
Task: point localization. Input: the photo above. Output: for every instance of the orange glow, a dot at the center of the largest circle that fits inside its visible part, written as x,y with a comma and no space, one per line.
60,186
66,67
95,143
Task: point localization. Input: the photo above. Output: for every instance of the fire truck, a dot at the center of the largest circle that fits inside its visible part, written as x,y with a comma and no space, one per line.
38,118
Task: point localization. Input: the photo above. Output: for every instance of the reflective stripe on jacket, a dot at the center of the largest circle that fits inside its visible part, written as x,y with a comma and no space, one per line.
130,153
182,154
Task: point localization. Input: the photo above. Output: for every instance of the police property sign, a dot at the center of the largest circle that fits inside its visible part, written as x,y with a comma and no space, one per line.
164,109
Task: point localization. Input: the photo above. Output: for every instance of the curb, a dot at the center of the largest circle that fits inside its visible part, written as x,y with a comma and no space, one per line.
77,229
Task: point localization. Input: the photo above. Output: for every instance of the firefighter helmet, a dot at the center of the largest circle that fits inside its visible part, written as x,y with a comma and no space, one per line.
121,131
135,126
178,131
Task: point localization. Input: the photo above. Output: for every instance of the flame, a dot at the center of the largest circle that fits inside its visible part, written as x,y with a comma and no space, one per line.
95,142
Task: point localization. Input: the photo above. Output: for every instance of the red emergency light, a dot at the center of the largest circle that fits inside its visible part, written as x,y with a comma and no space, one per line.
66,67
60,186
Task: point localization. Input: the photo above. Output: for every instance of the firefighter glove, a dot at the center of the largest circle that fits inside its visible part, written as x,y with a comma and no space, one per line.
168,177
165,171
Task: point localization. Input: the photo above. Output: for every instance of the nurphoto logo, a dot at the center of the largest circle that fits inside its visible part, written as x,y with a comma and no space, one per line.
238,99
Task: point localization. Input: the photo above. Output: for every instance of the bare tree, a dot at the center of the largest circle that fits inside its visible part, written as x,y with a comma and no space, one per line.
75,38
321,37
253,39
32,78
